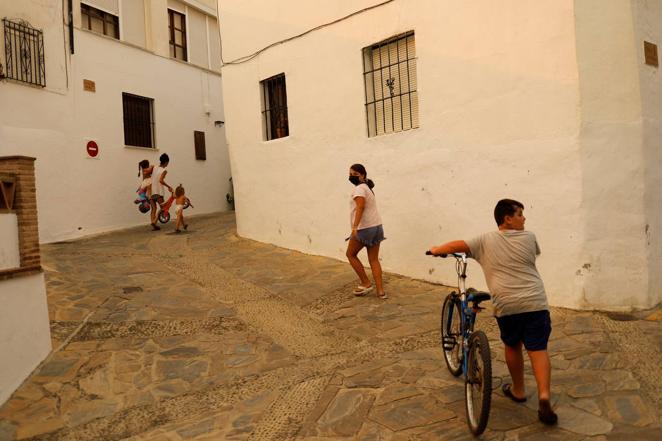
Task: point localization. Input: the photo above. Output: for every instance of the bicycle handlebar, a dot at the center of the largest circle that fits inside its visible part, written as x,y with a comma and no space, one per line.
429,253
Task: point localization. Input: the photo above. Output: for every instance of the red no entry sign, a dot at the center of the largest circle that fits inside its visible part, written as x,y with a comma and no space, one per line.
92,149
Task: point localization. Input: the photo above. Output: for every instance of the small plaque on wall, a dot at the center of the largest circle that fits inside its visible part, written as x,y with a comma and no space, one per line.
89,86
650,52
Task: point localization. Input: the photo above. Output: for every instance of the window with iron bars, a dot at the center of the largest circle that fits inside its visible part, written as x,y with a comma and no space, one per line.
274,108
177,29
138,120
391,96
24,53
98,21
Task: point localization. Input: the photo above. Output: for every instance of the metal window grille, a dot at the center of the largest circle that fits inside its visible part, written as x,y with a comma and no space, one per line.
138,120
98,21
274,108
24,53
177,29
391,96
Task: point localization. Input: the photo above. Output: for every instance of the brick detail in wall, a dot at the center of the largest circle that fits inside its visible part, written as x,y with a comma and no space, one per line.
25,207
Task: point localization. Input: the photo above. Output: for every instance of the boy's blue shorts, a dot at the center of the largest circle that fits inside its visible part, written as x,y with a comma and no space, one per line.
531,328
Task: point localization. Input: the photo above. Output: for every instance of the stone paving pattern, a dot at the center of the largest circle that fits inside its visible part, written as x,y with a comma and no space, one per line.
208,336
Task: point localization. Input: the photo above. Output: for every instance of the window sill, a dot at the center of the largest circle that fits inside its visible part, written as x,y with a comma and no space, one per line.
281,139
135,147
13,273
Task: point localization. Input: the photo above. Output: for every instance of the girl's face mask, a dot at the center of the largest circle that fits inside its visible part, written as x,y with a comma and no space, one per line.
356,180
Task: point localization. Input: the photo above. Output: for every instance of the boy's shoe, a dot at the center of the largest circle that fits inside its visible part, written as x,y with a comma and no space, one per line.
546,414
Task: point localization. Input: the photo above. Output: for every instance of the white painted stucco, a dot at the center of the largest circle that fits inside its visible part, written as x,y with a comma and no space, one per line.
9,253
78,195
24,330
537,101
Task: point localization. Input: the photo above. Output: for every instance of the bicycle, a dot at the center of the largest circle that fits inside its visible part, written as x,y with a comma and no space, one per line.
465,350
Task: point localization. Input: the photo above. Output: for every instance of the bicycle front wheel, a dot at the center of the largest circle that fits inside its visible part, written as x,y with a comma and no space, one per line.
478,385
451,334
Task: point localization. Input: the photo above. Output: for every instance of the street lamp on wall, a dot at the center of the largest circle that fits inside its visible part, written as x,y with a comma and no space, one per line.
219,123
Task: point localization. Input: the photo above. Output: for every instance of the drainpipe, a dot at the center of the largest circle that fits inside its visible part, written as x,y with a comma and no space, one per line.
71,26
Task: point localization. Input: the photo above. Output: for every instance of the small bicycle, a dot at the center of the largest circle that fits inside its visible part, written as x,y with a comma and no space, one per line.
465,350
164,208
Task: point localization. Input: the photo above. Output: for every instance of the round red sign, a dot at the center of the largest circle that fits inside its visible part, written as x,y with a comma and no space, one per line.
92,149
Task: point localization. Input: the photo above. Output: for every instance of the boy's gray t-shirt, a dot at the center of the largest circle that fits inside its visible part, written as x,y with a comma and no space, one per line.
508,259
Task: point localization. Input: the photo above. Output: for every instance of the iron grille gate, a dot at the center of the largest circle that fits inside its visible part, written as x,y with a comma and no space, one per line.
24,53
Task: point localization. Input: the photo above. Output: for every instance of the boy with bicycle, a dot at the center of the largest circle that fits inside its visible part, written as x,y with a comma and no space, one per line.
508,259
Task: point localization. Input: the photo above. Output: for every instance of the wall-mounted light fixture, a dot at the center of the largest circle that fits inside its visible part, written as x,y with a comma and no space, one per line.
219,123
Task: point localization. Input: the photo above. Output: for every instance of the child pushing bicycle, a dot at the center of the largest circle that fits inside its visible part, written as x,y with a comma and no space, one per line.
181,202
508,259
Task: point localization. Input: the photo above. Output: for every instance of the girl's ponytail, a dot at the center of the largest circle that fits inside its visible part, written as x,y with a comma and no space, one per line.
370,183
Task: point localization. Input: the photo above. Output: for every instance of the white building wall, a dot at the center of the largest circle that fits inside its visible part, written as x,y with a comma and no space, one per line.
24,330
78,195
504,112
647,19
9,253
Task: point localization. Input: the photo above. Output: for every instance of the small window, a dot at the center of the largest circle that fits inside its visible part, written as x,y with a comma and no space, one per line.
138,120
177,28
24,53
274,108
389,73
200,148
98,21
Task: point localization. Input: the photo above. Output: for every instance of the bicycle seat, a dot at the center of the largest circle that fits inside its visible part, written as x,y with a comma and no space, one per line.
474,295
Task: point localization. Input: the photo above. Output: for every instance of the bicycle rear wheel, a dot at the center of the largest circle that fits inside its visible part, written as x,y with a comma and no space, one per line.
451,334
478,385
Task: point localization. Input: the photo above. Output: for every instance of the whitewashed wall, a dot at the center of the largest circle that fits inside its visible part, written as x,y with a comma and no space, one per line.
78,195
503,113
24,330
9,252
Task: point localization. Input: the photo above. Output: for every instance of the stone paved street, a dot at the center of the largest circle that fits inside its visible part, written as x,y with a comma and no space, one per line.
208,336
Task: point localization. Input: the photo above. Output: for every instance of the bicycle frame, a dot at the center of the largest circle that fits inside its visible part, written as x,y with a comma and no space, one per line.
467,316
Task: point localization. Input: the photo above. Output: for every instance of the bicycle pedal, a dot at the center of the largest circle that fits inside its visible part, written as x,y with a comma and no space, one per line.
448,343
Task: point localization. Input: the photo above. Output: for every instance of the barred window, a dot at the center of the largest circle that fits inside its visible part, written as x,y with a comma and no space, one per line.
98,21
138,120
274,108
24,53
177,29
391,98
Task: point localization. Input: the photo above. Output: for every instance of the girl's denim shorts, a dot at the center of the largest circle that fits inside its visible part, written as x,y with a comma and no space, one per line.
370,236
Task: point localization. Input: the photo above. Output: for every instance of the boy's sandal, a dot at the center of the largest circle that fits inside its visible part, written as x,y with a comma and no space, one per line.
507,392
362,290
178,231
383,296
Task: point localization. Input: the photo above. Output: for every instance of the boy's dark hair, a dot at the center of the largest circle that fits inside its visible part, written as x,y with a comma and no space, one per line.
164,158
179,190
506,207
142,164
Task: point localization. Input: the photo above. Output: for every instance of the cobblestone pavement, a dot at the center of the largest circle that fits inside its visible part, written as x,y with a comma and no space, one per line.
208,336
